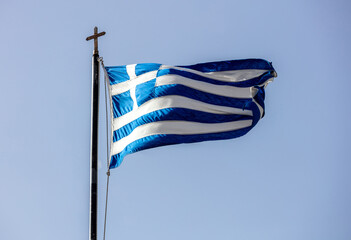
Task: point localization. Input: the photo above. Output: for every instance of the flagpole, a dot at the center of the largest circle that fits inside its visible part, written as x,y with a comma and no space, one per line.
94,136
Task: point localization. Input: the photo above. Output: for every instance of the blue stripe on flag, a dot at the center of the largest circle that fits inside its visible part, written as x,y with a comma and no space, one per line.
246,83
123,103
232,65
170,139
180,90
117,74
181,114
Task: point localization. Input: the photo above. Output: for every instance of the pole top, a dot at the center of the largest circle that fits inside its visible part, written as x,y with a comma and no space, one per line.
95,37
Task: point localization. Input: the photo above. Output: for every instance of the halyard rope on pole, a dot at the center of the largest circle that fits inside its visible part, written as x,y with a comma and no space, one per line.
107,148
107,183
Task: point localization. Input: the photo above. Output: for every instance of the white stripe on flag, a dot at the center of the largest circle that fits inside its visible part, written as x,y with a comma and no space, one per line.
132,76
174,101
177,127
221,90
259,108
225,76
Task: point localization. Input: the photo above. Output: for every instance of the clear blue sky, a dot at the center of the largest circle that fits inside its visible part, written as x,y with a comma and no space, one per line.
289,178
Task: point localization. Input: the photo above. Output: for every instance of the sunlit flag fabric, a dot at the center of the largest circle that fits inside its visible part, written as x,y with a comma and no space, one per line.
155,105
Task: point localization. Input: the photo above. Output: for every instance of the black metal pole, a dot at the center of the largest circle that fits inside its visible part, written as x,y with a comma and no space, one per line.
94,136
94,147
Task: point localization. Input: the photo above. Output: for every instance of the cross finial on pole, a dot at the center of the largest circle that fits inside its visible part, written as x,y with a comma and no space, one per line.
95,37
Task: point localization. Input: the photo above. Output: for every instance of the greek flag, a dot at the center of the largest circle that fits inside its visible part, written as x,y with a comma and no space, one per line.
155,105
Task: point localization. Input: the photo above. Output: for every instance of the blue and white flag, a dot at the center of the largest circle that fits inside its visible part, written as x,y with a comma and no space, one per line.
155,105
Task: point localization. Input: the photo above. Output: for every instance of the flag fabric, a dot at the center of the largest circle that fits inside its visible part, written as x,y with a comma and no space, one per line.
155,105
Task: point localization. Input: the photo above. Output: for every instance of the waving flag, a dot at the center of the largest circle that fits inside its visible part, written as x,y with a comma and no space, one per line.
156,105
